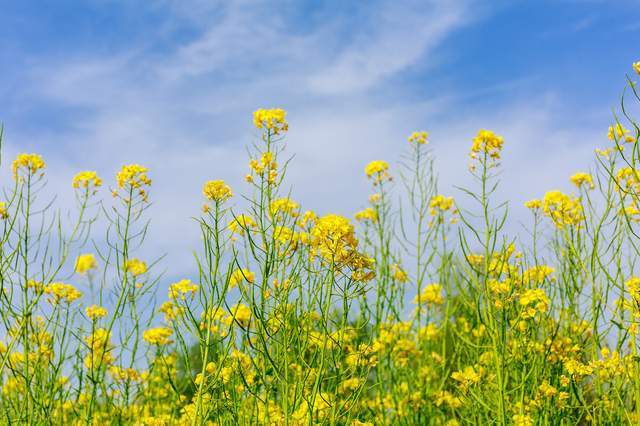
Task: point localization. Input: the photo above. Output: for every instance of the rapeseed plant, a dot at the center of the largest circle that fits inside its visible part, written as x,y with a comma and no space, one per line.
417,312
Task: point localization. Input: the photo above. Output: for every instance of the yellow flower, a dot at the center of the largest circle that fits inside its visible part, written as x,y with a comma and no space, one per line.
428,332
430,295
308,217
30,163
85,263
133,175
217,190
619,134
99,340
241,223
547,390
267,164
241,313
447,398
374,198
633,287
439,204
158,336
135,267
581,178
562,209
95,312
124,374
284,206
628,179
605,153
181,288
488,142
334,237
534,300
419,138
467,376
170,310
576,368
377,170
368,214
37,286
522,420
399,274
273,120
534,204
61,292
636,67
87,180
4,214
537,274
241,275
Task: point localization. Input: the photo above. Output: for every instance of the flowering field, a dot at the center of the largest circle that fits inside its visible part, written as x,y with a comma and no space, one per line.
414,311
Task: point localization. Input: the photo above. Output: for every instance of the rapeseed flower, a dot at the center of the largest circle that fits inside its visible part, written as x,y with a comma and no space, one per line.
217,191
488,143
563,209
85,263
182,288
95,312
158,336
419,138
378,171
579,179
273,120
61,292
135,267
29,163
88,180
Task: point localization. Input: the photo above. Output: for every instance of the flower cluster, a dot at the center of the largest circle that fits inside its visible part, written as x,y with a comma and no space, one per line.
135,267
241,223
430,295
333,239
158,336
133,178
369,214
266,167
582,179
88,180
487,142
29,163
273,120
439,205
241,275
284,207
563,209
217,191
95,312
418,138
618,133
377,171
61,292
85,263
181,289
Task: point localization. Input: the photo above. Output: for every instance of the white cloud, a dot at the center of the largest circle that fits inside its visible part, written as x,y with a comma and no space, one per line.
397,35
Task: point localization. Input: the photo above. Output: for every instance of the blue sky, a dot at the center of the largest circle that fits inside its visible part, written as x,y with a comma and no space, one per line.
171,84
